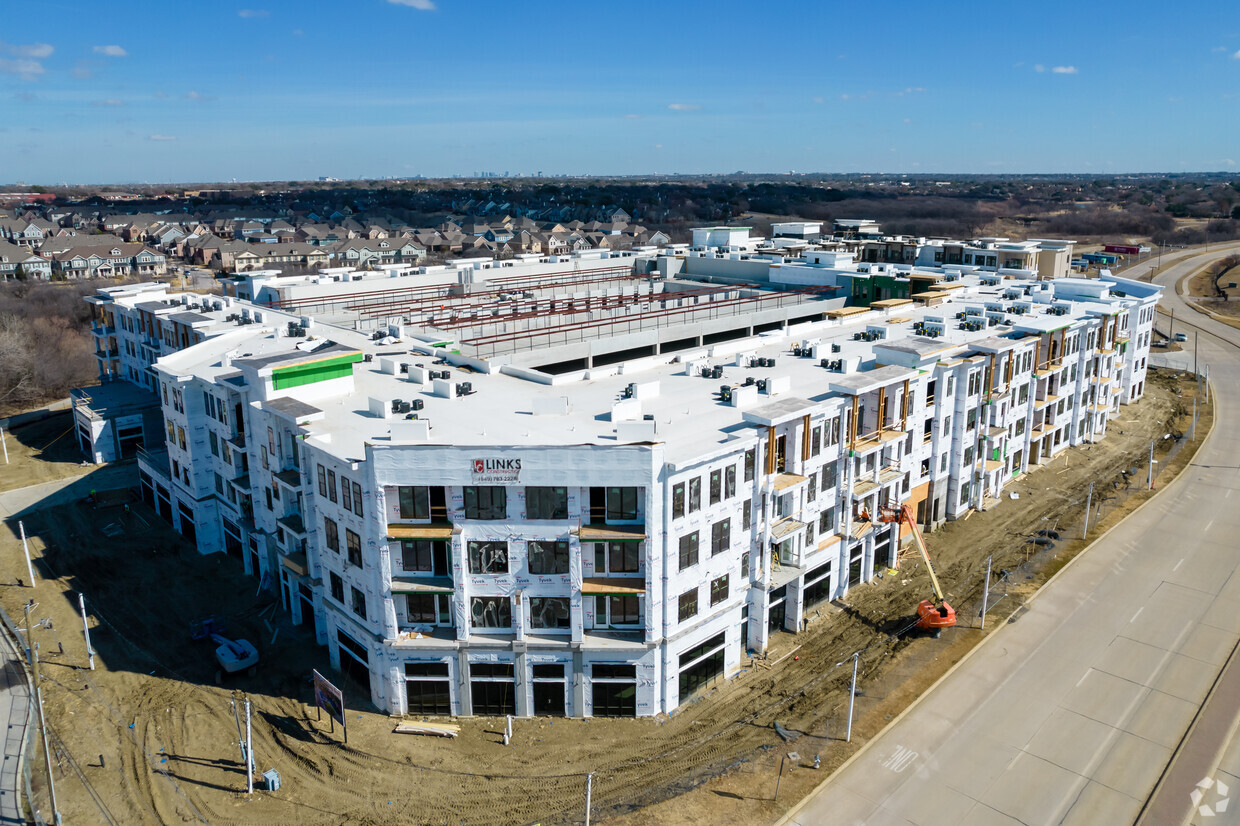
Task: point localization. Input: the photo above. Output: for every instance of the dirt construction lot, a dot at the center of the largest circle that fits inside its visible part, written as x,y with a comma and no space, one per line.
150,737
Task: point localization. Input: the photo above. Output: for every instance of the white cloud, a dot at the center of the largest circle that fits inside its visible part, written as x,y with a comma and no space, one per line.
298,32
420,5
632,117
31,50
82,71
23,68
683,107
111,51
820,100
162,138
110,102
1064,70
1236,56
252,13
1038,67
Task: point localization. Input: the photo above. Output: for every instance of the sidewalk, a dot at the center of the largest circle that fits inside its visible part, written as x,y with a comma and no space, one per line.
15,715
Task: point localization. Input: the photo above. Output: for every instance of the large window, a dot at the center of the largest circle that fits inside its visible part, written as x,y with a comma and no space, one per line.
613,689
617,610
488,557
688,605
358,602
621,504
415,503
701,664
550,612
354,544
678,500
492,688
695,495
548,557
546,503
750,459
486,503
688,550
491,612
720,536
617,557
428,609
337,587
718,590
428,688
423,556
729,482
331,534
716,486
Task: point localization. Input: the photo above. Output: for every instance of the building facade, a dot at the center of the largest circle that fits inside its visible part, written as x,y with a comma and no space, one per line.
519,533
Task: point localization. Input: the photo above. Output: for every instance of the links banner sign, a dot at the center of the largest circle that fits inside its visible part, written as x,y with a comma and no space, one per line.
497,471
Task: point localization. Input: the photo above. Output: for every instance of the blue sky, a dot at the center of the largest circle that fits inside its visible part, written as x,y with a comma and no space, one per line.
292,89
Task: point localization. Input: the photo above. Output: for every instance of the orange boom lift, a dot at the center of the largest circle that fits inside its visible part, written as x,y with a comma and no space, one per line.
932,615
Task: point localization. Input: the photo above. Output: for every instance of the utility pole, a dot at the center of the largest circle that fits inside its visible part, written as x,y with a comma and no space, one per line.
1171,332
38,704
852,698
590,788
1089,499
986,591
249,751
6,446
29,566
90,652
1195,356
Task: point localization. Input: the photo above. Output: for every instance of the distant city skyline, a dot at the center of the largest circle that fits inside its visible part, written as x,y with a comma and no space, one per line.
147,92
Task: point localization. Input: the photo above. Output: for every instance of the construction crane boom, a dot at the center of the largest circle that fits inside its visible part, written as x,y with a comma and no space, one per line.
936,615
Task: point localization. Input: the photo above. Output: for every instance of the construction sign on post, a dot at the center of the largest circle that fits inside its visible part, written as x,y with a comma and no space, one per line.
327,696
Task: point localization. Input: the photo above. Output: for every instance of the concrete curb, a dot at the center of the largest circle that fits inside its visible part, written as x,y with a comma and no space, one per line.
788,817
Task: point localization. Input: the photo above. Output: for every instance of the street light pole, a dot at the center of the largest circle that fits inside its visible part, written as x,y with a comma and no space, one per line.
852,697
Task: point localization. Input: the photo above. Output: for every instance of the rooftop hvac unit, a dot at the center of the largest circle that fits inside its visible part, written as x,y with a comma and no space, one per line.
396,403
725,393
404,407
824,363
417,404
749,381
368,357
464,388
717,371
762,385
404,368
835,348
629,391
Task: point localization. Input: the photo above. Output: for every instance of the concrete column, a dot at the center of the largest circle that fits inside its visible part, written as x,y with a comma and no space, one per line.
579,684
462,684
523,685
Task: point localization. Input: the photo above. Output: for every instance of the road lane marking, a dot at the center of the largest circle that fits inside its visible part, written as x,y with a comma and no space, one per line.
1208,526
1083,676
900,759
1134,616
1177,565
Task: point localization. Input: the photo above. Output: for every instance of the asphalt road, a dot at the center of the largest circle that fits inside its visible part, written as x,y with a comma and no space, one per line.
1072,714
